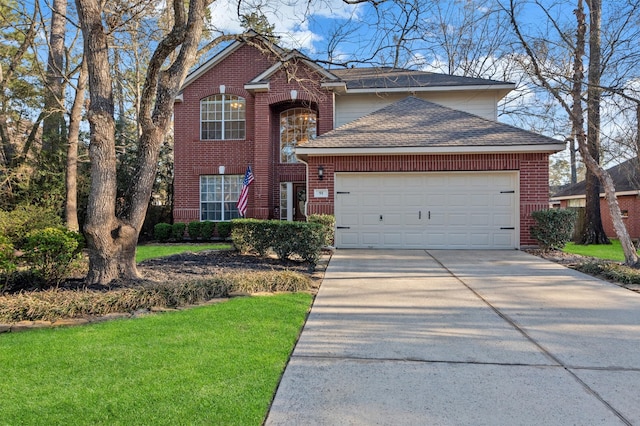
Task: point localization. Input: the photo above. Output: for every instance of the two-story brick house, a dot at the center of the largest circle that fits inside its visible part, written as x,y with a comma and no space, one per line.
404,159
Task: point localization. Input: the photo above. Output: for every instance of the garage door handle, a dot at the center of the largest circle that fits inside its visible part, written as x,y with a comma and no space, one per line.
343,227
508,192
508,227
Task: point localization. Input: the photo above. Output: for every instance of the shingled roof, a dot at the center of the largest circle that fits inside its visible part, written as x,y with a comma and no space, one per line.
626,177
389,78
416,125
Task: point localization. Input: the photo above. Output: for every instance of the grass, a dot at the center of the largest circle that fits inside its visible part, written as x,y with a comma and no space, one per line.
217,364
145,252
611,251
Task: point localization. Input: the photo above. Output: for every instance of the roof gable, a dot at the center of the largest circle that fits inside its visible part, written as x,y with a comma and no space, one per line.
626,177
416,125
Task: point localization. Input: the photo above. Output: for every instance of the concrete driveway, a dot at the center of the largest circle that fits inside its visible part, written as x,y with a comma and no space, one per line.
463,338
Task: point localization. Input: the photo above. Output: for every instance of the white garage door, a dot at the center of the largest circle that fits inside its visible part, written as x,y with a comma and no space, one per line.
465,210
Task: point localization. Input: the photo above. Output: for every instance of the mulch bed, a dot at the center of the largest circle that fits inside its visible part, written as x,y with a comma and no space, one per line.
573,260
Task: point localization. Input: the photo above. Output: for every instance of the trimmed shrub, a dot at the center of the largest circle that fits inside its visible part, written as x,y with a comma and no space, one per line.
50,253
328,222
286,239
162,232
177,231
206,229
224,229
194,229
553,228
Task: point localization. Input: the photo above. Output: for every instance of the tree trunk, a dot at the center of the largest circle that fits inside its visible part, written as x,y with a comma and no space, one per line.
53,125
590,150
75,117
593,232
112,240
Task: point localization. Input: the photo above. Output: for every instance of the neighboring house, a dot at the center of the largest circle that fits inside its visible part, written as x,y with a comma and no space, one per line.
626,180
404,159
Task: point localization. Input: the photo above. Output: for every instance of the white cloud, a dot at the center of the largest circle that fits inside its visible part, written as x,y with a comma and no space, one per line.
290,17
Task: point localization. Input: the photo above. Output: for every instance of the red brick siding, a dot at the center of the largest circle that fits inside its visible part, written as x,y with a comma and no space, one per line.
193,157
631,203
534,176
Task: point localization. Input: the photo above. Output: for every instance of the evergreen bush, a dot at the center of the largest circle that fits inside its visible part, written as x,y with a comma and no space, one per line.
162,232
194,229
224,229
19,222
553,228
177,231
328,221
286,239
7,260
50,253
206,229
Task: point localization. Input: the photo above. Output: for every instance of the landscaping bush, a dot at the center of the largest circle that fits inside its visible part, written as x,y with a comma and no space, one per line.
224,229
177,231
194,229
50,253
553,228
162,232
206,229
286,239
328,222
7,261
610,270
21,221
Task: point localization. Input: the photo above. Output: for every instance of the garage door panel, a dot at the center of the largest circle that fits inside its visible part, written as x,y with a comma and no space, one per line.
480,219
369,200
502,220
393,239
351,219
371,239
457,219
370,219
427,210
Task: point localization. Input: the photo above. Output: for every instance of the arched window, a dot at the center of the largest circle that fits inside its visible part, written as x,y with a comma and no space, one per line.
222,117
297,126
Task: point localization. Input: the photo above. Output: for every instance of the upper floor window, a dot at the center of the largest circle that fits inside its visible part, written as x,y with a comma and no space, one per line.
297,126
222,117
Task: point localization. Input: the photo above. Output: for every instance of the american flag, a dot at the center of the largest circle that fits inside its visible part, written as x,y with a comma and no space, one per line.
244,194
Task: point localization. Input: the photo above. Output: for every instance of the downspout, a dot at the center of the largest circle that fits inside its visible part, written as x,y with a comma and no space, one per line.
306,185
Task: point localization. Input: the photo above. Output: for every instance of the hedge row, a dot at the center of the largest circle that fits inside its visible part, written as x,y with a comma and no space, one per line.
286,239
195,230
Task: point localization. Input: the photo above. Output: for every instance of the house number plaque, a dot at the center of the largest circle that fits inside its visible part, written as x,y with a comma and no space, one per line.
321,193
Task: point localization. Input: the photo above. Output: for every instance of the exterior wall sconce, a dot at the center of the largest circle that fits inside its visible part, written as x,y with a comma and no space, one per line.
221,170
294,94
320,172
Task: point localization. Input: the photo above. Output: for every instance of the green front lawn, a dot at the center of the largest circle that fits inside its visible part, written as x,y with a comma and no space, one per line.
611,251
217,364
150,251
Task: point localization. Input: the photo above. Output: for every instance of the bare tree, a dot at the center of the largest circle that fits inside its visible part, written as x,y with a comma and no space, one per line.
576,111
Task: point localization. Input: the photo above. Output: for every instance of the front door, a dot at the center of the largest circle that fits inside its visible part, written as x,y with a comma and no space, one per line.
299,200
